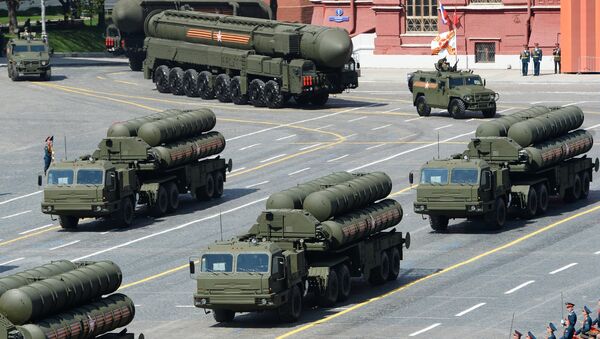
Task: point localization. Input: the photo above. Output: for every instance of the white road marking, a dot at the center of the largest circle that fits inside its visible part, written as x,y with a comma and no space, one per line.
338,158
519,287
368,148
573,103
536,102
468,309
36,229
356,119
299,171
413,119
407,151
238,169
320,128
472,119
563,268
64,245
185,306
258,184
16,214
593,127
310,146
250,146
380,127
271,158
287,137
597,252
20,197
106,232
442,127
505,110
152,235
424,330
11,261
350,136
395,109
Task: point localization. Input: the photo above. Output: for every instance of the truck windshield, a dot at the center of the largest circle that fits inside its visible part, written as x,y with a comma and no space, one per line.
455,82
255,262
464,176
60,177
216,263
20,49
473,81
89,177
434,176
37,48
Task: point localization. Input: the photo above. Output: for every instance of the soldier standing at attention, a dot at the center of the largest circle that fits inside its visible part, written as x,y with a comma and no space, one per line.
556,53
537,58
48,153
550,329
587,322
569,322
525,57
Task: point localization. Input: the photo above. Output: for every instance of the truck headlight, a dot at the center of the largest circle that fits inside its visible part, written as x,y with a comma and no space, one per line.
44,63
201,302
468,98
475,208
48,208
420,208
98,208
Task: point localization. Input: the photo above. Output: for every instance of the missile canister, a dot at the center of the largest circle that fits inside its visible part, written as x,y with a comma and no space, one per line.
349,195
361,223
84,322
130,127
499,127
559,149
292,198
547,126
29,276
58,293
325,46
184,125
188,150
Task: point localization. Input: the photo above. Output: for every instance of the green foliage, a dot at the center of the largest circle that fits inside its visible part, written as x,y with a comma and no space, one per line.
86,39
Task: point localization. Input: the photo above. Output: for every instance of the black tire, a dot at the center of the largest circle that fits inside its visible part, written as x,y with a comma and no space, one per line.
173,193
343,273
46,75
207,191
410,82
381,273
136,63
160,207
256,93
292,310
302,99
190,83
457,108
273,95
422,107
161,79
223,316
490,112
235,88
222,86
438,223
574,192
176,81
495,219
319,99
585,185
218,180
126,213
543,198
394,264
531,207
205,85
328,297
68,222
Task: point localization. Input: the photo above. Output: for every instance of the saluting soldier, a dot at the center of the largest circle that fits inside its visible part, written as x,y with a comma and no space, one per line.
537,58
587,322
550,329
556,54
525,58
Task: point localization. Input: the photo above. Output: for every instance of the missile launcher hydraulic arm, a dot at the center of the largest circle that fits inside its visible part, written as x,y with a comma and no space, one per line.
290,251
517,161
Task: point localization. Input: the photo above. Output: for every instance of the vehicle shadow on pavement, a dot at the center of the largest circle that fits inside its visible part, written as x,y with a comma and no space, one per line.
187,205
6,268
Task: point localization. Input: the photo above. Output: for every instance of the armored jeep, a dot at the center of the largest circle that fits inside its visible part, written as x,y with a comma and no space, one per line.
28,56
456,91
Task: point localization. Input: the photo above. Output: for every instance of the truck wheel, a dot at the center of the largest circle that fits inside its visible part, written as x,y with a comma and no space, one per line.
126,214
173,193
218,180
343,273
302,99
256,93
328,297
223,316
319,99
291,311
394,264
531,207
585,185
381,273
206,192
457,109
422,107
410,82
68,222
235,88
176,81
438,223
222,85
205,85
495,219
159,208
543,198
574,193
190,83
490,112
273,95
161,79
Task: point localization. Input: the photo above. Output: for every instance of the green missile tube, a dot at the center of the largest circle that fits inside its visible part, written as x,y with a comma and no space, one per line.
130,127
184,125
562,148
189,150
499,127
29,276
547,126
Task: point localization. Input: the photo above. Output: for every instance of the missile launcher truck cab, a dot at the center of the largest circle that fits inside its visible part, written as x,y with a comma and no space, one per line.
289,252
28,56
498,172
456,91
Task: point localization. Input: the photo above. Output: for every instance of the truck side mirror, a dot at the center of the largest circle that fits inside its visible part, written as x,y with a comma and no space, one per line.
39,180
483,82
192,267
486,181
411,178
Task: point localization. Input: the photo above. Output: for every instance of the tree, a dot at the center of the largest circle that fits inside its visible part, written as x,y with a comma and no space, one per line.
66,8
12,6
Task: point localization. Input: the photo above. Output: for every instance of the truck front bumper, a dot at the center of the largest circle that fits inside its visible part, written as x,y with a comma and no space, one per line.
240,302
477,106
23,70
459,209
83,210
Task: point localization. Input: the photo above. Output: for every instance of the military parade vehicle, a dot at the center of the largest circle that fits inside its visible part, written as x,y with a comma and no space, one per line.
65,300
516,161
312,238
456,91
247,60
126,34
28,55
149,160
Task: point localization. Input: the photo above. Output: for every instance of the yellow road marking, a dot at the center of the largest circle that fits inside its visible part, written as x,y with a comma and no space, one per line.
101,78
389,142
8,242
126,82
173,270
445,270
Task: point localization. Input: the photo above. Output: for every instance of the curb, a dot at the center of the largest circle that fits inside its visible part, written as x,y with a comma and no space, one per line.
82,55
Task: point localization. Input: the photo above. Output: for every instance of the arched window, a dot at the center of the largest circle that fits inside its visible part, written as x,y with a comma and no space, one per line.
421,16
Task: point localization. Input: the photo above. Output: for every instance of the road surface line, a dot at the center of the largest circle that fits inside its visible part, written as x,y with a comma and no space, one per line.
299,171
356,119
16,214
20,197
324,127
597,252
391,110
368,148
126,82
472,119
310,146
413,119
468,309
271,158
573,103
414,334
512,290
380,127
505,110
287,137
258,184
238,169
350,136
592,127
442,127
65,245
8,242
11,261
250,146
563,268
36,229
338,158
185,306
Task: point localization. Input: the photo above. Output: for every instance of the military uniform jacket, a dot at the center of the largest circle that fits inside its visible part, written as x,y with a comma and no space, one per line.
572,318
525,55
556,53
587,326
551,336
537,55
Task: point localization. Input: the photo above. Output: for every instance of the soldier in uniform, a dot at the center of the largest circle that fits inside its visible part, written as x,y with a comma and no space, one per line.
550,329
569,322
530,335
597,321
525,57
48,153
587,322
537,58
443,65
556,54
517,335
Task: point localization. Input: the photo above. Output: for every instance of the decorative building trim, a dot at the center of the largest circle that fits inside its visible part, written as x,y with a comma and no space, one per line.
387,8
426,34
415,45
497,39
331,2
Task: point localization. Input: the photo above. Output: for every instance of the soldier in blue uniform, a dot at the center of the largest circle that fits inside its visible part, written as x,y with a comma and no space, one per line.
530,335
550,329
537,58
587,321
597,321
569,322
525,58
517,335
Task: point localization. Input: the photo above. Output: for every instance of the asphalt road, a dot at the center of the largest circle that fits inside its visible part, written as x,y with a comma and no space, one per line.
468,282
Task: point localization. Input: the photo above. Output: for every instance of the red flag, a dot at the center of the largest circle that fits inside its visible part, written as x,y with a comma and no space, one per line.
456,20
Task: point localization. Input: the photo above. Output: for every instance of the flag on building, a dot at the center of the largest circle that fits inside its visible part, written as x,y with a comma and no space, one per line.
444,44
443,13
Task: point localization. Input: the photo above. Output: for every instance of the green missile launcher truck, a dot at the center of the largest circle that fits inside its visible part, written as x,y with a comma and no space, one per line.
27,56
311,239
247,60
149,160
517,161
